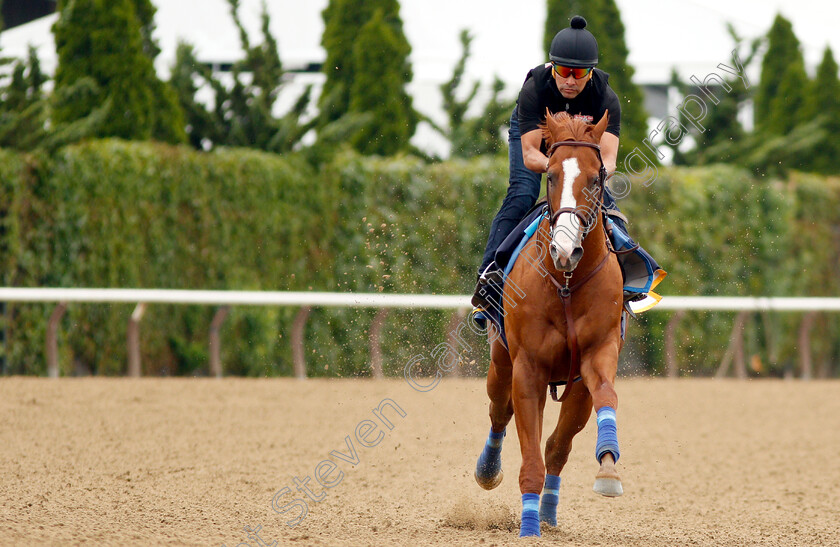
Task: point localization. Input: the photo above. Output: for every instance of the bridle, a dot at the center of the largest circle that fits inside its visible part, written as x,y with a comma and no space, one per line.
588,219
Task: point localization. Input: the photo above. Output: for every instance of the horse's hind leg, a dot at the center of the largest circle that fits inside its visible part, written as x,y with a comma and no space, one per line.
574,413
488,469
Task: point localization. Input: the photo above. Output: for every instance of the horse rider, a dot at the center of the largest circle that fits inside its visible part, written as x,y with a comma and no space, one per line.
570,83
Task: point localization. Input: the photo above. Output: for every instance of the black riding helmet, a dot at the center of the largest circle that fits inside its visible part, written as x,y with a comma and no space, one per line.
574,46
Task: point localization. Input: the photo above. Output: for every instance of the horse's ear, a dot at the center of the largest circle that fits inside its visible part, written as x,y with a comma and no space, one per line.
550,126
601,126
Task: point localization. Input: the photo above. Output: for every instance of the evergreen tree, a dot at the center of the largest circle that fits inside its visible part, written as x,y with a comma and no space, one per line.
456,109
781,90
145,11
169,125
343,20
242,114
787,106
559,14
380,57
472,136
724,133
609,31
823,104
678,157
201,126
102,40
252,122
791,134
483,134
25,109
604,22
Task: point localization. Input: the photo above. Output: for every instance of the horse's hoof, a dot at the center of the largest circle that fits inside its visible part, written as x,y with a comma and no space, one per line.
489,483
529,533
608,486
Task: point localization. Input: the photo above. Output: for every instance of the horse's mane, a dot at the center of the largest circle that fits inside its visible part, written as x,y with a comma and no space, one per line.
573,129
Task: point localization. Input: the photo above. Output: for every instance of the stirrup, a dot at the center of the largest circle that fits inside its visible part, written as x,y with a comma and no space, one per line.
479,316
630,296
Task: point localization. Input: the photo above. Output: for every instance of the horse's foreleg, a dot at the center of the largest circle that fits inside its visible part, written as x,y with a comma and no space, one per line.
488,469
574,413
499,379
528,391
599,376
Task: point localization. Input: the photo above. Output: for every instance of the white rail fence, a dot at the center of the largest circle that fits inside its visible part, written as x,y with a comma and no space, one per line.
459,303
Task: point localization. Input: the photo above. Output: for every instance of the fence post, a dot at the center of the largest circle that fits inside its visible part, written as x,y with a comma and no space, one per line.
735,349
374,342
670,344
740,361
3,336
215,344
297,341
133,341
771,339
805,344
52,339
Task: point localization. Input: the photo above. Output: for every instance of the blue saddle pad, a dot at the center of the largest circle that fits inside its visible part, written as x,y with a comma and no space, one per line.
505,258
509,250
640,270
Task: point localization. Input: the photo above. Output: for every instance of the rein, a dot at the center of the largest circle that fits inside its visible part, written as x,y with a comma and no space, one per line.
564,291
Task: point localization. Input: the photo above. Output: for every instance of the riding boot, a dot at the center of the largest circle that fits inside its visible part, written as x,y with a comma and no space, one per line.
487,286
487,289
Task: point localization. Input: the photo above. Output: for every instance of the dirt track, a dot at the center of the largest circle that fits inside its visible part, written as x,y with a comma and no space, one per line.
180,461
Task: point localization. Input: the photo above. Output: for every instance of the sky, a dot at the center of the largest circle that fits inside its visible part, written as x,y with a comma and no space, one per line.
688,35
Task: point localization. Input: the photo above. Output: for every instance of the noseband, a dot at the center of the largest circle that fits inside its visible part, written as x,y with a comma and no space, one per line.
586,220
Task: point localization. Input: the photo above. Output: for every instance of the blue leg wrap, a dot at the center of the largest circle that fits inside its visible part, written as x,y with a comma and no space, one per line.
530,515
607,434
490,462
549,500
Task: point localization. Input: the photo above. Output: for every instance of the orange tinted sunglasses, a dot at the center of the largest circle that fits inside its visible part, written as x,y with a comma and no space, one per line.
566,71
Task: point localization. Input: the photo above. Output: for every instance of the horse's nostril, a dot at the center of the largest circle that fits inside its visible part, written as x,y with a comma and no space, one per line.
577,253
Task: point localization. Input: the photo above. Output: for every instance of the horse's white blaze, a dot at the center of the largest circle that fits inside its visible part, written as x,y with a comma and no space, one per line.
567,227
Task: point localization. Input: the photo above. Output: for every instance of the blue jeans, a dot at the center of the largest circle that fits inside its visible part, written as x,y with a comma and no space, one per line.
523,190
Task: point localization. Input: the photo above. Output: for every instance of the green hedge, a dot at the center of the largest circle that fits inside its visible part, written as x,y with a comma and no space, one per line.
719,231
408,227
116,214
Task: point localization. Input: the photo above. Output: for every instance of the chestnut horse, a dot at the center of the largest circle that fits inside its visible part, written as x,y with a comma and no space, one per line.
562,316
